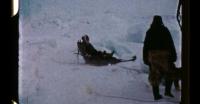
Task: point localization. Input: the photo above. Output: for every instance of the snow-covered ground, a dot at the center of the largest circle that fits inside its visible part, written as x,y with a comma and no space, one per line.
50,72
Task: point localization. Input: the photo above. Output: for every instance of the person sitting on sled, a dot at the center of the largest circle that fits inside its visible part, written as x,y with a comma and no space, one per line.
88,49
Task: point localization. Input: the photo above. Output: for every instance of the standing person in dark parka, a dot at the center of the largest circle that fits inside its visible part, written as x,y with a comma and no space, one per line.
159,54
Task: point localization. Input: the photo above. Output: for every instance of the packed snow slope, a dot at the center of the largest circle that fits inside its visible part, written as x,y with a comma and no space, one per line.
51,73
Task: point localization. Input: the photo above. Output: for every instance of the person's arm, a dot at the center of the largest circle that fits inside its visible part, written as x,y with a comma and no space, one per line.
178,8
173,54
146,48
92,50
180,3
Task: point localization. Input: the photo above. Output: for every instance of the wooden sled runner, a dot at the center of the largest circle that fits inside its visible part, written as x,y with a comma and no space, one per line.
100,58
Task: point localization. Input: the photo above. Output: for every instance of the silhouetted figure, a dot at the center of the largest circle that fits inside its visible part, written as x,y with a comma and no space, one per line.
159,53
89,49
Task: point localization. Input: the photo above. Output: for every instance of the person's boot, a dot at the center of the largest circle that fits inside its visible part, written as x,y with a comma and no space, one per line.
156,93
168,85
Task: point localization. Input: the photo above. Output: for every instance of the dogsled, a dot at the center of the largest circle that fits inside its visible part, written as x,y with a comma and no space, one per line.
94,57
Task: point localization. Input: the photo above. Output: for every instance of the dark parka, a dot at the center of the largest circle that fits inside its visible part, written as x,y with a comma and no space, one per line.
158,37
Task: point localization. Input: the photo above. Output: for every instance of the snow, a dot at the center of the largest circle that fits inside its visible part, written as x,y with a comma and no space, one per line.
50,72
